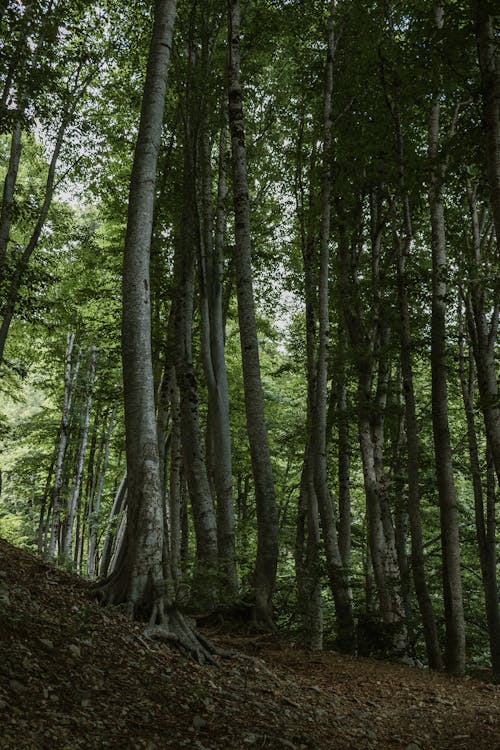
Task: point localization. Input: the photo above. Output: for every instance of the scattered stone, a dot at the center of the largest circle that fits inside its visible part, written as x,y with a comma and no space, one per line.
17,687
74,650
4,595
413,746
250,739
199,722
47,643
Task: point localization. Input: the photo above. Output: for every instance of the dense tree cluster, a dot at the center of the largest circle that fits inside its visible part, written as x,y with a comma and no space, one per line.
300,202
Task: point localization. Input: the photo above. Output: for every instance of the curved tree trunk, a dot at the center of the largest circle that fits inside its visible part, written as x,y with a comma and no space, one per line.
138,577
267,517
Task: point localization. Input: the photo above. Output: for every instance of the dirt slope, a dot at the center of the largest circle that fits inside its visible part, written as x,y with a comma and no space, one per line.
75,676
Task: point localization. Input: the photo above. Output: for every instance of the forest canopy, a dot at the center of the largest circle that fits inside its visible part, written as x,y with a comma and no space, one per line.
249,269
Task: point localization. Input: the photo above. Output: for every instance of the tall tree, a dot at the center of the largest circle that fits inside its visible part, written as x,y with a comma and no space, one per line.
267,518
452,582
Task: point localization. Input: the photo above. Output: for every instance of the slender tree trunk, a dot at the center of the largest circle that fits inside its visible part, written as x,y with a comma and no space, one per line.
483,335
267,517
119,503
96,499
205,583
70,377
403,239
8,198
76,485
13,285
43,520
413,463
369,343
485,531
337,572
344,480
212,344
452,582
175,481
489,64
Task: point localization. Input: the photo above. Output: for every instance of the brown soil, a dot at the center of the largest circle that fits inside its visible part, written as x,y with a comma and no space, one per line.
73,675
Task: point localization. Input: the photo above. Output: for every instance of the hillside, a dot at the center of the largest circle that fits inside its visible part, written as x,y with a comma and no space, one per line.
73,675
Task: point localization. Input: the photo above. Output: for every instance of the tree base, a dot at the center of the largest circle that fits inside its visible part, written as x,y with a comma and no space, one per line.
156,606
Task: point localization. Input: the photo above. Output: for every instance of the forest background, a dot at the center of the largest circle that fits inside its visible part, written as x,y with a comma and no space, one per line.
324,311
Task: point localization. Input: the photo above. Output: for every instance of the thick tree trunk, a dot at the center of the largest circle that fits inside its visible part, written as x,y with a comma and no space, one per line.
452,582
138,577
142,577
267,517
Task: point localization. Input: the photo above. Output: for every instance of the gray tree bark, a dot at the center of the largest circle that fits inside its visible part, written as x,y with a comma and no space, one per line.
205,583
70,377
267,517
76,484
452,582
337,572
489,64
137,579
214,366
95,499
485,529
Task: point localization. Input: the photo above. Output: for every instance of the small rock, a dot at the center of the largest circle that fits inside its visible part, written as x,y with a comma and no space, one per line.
413,746
74,650
199,722
17,687
4,596
250,739
47,643
407,661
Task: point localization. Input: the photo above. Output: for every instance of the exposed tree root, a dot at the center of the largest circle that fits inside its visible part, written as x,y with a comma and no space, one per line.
165,621
175,630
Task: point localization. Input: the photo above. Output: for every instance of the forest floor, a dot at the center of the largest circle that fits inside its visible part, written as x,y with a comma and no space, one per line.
74,675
